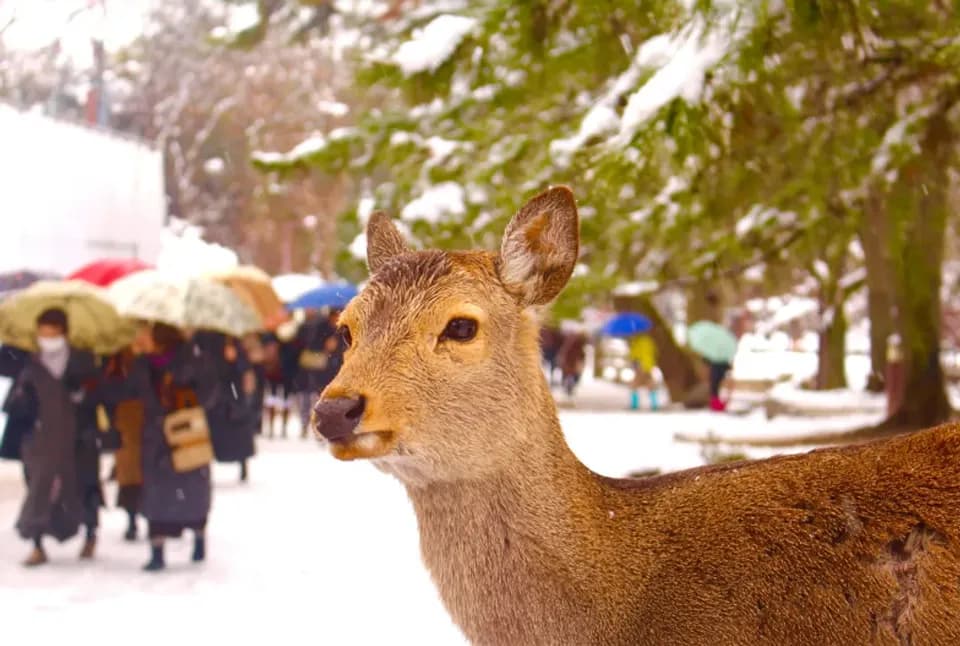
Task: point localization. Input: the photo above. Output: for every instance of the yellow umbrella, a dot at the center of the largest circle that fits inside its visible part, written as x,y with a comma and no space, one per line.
94,323
253,286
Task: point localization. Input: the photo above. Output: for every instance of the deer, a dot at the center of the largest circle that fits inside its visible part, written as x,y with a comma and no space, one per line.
442,387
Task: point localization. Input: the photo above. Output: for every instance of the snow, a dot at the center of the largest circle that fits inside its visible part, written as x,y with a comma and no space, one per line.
184,252
289,287
893,137
312,550
689,55
837,400
309,146
365,209
309,552
485,92
775,312
333,108
358,248
401,137
637,288
755,273
600,120
242,17
72,24
431,46
440,148
214,166
771,358
436,203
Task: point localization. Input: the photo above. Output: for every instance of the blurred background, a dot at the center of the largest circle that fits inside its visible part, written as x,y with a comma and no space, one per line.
770,257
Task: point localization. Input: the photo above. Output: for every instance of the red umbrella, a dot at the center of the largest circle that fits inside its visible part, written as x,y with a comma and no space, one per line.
105,271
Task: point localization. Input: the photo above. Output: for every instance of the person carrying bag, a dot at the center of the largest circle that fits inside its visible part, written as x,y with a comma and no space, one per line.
187,433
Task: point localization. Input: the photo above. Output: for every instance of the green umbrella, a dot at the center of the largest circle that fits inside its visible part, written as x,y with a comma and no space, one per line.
94,323
712,341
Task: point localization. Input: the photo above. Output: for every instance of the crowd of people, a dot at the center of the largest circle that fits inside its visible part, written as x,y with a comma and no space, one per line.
165,407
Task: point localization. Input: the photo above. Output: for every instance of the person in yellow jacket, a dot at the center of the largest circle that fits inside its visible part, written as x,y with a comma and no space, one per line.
643,353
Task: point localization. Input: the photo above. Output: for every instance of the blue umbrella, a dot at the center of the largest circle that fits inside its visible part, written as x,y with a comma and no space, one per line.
336,295
627,324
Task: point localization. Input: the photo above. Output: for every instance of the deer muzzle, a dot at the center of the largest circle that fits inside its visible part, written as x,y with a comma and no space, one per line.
337,418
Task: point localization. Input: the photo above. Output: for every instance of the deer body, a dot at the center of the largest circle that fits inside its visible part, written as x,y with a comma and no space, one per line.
832,547
853,545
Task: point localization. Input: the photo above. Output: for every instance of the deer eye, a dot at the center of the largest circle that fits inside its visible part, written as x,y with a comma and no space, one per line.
345,335
460,329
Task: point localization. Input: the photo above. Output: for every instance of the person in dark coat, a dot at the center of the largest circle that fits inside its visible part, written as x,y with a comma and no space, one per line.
321,358
256,355
60,454
572,357
281,357
126,415
551,339
172,500
230,411
12,361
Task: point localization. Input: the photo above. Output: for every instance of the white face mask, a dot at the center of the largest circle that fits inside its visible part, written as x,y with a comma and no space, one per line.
51,343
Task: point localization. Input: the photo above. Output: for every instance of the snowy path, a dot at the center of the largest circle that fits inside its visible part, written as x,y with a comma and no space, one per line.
311,551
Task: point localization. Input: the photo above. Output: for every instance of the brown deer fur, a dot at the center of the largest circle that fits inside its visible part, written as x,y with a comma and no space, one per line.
854,545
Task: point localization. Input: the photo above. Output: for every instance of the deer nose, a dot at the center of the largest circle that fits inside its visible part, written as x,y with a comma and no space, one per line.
337,418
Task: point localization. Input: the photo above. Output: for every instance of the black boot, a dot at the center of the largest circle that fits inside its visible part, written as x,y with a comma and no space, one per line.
156,559
199,549
131,533
243,471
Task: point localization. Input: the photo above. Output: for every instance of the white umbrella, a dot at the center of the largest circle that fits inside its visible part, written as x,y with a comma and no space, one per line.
198,303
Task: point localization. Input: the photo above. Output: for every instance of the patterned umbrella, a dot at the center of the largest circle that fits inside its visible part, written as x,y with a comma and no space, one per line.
253,286
94,323
107,270
197,303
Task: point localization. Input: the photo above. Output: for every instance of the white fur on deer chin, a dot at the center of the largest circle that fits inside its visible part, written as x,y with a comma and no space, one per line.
405,468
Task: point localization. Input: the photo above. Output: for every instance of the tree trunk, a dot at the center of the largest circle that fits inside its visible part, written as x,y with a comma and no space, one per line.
703,303
874,237
831,369
920,205
683,374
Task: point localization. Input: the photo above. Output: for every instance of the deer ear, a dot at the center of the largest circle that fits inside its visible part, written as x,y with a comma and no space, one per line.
384,241
540,247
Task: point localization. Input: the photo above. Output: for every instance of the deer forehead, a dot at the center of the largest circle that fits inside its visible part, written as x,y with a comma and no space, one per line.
424,288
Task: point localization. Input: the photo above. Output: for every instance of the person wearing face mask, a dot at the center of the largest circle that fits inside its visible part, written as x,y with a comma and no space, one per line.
60,455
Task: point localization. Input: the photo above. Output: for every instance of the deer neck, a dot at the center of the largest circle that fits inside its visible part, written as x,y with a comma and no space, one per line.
539,519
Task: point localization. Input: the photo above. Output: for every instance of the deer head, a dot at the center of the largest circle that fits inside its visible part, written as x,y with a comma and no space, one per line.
442,370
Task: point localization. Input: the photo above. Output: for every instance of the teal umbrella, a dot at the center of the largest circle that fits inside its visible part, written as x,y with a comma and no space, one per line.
712,341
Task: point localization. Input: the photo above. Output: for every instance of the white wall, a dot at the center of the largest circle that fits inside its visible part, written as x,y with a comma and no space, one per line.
71,194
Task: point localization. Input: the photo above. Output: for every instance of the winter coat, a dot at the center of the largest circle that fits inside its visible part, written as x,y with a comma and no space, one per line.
60,453
169,496
126,417
231,413
12,361
572,354
550,341
316,335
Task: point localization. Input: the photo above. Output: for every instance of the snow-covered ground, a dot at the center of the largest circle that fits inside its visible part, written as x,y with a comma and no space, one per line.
311,550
